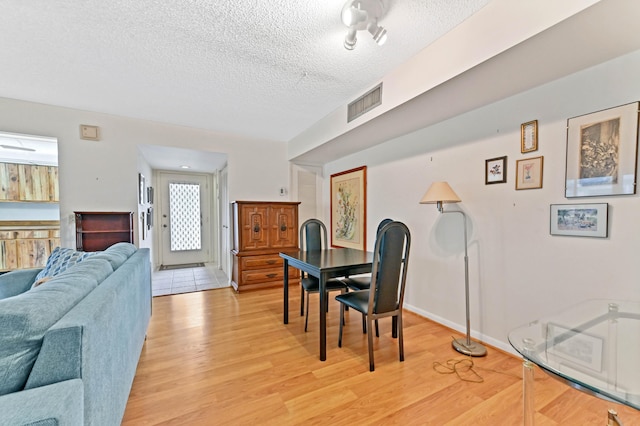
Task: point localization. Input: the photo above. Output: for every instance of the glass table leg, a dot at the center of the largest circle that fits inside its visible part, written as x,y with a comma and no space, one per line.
527,392
528,397
612,418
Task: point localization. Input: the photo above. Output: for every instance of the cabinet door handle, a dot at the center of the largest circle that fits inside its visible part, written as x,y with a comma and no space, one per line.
283,227
272,275
256,227
271,262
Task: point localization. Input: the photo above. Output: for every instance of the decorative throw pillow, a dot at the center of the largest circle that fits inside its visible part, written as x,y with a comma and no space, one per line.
60,260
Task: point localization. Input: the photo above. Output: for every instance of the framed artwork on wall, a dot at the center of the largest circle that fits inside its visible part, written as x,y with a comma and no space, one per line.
141,188
529,173
580,220
149,218
578,349
601,152
529,136
143,227
349,208
495,170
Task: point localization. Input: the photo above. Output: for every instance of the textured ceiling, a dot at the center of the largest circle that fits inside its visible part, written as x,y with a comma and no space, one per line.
263,68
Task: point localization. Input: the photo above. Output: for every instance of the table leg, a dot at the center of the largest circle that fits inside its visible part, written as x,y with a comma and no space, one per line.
613,419
323,317
527,392
286,291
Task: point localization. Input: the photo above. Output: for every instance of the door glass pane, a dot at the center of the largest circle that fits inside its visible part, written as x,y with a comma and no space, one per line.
184,214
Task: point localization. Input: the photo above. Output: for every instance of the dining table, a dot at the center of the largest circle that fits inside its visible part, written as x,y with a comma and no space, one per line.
324,264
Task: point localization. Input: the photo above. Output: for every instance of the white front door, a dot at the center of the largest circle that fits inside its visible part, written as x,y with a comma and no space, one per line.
185,218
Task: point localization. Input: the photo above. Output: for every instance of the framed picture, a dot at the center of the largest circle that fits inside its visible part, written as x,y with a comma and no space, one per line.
529,136
601,152
580,220
529,173
149,218
150,194
579,348
349,208
141,188
143,227
495,170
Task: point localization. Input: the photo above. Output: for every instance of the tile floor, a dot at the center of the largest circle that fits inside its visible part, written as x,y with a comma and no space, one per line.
174,281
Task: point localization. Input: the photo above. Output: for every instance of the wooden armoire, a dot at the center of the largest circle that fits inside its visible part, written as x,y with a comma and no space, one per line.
261,230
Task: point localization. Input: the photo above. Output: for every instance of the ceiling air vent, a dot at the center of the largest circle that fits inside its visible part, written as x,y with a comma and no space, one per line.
365,103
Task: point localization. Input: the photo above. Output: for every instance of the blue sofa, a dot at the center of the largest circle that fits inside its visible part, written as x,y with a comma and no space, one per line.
69,347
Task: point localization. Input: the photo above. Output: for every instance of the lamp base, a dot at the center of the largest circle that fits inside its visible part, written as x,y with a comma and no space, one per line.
471,349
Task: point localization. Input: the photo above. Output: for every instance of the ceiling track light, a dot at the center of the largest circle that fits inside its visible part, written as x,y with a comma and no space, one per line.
378,33
360,15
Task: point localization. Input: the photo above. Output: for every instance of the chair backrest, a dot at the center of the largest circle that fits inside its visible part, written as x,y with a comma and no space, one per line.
390,263
313,235
381,225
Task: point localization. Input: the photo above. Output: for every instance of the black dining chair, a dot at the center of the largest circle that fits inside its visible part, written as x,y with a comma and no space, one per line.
313,236
385,295
364,282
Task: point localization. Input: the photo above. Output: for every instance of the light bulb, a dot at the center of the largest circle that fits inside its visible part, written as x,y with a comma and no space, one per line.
379,33
350,40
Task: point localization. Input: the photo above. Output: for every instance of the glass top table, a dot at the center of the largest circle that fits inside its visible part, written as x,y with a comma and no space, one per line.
593,346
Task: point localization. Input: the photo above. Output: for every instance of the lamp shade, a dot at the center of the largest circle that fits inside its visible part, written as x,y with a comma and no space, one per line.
440,192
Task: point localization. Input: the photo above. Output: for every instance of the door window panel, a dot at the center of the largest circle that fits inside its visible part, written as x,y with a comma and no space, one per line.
185,217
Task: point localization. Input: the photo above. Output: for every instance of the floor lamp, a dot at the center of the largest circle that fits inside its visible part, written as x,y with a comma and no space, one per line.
438,194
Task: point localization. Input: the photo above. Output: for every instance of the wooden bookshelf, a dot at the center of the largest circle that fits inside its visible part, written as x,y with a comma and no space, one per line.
96,231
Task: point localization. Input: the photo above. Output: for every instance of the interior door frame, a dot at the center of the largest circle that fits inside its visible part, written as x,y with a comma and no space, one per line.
224,211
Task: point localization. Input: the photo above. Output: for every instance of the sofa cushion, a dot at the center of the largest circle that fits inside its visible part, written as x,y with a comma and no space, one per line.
98,269
125,248
117,254
59,260
26,317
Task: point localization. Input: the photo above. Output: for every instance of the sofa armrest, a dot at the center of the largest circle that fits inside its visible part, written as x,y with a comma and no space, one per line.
57,404
17,282
60,357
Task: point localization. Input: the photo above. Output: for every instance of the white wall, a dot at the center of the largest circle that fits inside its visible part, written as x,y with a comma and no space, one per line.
103,175
148,240
518,272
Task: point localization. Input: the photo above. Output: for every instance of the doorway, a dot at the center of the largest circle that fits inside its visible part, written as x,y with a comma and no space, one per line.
225,231
185,218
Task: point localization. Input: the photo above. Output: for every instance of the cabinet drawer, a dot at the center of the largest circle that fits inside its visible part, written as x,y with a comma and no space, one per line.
262,275
266,261
266,275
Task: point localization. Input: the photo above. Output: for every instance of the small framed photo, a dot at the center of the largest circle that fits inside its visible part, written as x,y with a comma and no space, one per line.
529,173
495,170
149,218
529,136
580,220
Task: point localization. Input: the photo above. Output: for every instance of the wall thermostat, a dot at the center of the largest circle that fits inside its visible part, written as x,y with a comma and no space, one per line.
89,132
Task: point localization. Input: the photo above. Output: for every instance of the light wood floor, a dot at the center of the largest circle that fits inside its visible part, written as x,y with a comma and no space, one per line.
221,358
